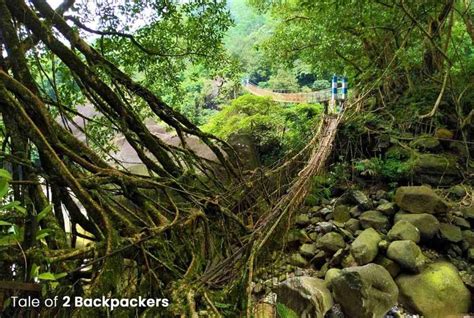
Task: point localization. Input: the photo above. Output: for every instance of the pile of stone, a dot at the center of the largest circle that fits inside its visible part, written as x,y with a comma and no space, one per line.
365,256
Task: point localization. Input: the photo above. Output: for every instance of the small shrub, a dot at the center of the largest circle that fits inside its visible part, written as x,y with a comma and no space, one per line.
321,84
390,169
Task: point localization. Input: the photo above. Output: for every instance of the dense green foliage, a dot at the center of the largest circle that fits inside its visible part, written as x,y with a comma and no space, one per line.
274,128
397,53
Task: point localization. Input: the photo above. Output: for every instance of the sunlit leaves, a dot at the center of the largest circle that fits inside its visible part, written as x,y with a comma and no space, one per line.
5,179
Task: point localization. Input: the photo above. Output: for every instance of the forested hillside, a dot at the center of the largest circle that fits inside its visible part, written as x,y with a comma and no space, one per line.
239,158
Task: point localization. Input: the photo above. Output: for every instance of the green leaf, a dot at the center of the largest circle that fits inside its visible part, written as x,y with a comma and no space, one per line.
14,205
60,275
4,186
4,174
34,270
41,236
47,276
5,178
43,213
53,285
7,240
5,223
222,305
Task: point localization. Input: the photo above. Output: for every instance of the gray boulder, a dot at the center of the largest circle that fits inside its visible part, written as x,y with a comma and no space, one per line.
365,248
306,296
436,292
364,291
420,200
427,224
404,230
407,254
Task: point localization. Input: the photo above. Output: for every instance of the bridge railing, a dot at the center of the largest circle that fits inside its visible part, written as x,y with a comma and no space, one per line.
309,97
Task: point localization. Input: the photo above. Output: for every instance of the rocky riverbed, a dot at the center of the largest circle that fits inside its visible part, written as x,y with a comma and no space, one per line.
379,254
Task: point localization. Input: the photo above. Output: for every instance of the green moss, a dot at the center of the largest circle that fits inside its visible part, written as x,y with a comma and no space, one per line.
425,142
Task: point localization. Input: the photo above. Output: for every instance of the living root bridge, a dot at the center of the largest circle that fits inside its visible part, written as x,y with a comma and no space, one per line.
315,154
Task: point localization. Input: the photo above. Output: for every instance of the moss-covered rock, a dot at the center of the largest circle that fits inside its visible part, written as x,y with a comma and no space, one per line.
404,230
468,212
468,237
297,260
362,199
443,133
306,296
331,242
435,169
450,232
470,254
341,213
352,225
331,274
407,254
392,267
461,222
365,247
374,219
457,191
364,291
425,142
297,236
308,250
436,292
427,224
420,200
302,219
387,208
